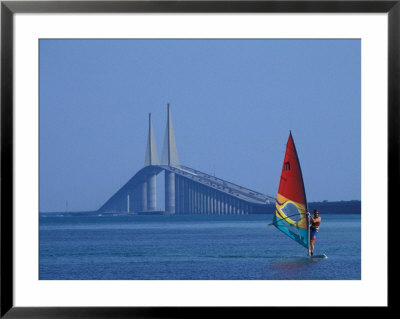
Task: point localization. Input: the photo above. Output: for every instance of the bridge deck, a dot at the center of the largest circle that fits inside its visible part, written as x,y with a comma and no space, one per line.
231,189
220,184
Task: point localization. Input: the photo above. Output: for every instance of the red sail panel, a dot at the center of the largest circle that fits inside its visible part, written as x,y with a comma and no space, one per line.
291,184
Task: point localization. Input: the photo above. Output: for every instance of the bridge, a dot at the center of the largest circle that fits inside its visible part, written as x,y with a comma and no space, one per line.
187,191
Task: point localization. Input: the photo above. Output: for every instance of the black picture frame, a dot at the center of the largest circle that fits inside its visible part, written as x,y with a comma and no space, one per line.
9,8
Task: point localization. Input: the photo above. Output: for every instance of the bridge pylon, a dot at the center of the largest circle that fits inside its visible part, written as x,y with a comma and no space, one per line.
170,158
149,200
170,154
151,150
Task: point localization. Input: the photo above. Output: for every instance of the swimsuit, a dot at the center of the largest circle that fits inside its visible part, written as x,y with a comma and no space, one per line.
313,235
314,231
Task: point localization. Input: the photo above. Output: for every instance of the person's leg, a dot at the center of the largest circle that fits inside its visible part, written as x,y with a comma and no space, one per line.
312,239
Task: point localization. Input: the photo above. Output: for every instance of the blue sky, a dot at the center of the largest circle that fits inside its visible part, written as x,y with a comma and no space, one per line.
233,104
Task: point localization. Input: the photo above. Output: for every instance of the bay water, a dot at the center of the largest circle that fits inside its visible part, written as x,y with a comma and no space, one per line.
193,247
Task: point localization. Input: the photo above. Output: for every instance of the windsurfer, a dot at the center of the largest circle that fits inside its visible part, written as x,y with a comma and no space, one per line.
315,222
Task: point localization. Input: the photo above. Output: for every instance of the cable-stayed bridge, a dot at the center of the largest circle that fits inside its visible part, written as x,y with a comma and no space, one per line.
187,191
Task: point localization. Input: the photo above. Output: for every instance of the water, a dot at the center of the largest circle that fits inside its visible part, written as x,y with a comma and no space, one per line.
205,247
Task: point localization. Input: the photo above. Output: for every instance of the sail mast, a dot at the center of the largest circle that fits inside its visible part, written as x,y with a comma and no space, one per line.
306,204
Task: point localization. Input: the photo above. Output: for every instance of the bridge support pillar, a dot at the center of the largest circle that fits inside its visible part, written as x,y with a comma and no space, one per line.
143,196
151,192
170,192
128,203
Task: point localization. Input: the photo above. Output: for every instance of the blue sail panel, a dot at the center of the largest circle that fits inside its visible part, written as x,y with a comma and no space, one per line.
292,230
290,218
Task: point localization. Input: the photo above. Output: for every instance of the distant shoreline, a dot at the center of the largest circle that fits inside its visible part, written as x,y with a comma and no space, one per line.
324,207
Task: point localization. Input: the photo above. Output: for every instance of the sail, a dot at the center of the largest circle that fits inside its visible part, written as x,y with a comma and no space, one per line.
291,202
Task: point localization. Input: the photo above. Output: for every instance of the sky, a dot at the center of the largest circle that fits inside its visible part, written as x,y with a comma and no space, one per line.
233,104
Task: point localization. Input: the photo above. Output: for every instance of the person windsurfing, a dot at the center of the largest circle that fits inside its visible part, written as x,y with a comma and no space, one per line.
314,227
